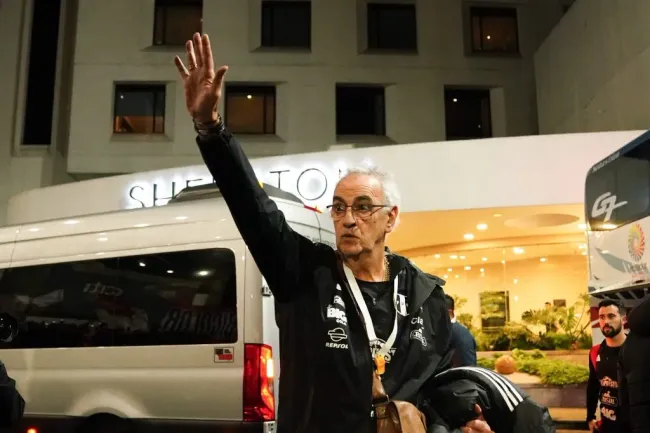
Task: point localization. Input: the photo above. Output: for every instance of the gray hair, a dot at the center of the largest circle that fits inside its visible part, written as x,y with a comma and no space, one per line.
392,196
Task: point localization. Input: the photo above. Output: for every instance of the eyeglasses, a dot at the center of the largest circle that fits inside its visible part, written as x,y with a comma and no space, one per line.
361,211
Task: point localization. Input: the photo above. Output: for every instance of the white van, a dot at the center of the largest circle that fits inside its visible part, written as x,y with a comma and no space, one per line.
144,320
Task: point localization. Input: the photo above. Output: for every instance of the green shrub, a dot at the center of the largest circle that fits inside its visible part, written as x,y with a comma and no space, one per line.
486,362
554,372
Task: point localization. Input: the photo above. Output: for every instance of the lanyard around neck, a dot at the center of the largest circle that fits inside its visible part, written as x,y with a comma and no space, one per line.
361,304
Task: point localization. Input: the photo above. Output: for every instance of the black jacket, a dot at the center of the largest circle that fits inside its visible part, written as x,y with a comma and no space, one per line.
12,404
325,363
506,408
634,371
464,346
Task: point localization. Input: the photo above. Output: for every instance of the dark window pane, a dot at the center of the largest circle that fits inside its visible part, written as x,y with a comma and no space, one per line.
494,30
176,298
286,24
467,114
250,109
139,109
176,21
628,179
392,26
41,74
360,110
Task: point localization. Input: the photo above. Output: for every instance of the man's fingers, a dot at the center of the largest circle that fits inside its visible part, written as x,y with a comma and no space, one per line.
206,52
182,70
219,77
479,412
191,57
198,49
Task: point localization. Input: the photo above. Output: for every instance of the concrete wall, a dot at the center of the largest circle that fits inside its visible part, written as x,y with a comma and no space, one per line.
593,71
107,52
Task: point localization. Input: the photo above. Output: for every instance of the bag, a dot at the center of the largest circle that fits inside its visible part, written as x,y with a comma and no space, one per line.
395,416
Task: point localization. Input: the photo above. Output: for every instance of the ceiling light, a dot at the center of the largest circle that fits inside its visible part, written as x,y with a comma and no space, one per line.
503,262
515,281
468,268
453,256
34,229
482,270
142,264
141,225
169,271
456,276
181,218
516,298
582,226
584,253
71,222
437,256
481,226
462,257
468,236
449,270
518,250
497,215
605,251
543,259
203,273
445,276
102,239
100,253
484,259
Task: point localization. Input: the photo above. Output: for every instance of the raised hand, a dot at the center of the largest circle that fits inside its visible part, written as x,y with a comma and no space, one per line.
478,425
203,85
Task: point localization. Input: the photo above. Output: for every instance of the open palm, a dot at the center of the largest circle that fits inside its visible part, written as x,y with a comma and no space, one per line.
203,85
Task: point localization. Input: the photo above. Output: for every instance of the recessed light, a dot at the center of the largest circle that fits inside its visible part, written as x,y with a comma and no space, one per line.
582,226
437,256
497,215
484,259
582,246
503,262
445,276
468,236
142,264
181,218
450,270
71,222
584,253
141,225
169,271
468,268
518,250
203,273
462,257
456,276
481,226
482,270
102,239
542,259
453,257
515,281
34,229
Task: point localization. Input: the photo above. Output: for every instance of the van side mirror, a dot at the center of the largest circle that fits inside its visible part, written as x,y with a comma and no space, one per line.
8,328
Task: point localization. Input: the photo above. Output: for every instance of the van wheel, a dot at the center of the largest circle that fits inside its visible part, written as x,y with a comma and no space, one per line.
104,423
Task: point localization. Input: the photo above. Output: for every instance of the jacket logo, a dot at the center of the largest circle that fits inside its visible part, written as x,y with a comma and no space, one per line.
417,332
337,337
376,345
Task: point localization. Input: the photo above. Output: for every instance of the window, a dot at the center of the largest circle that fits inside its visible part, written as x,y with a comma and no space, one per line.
623,179
250,109
286,24
360,110
392,26
41,74
176,298
467,114
139,109
494,30
175,21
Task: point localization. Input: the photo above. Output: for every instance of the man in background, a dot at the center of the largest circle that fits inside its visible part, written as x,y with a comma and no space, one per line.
603,386
462,341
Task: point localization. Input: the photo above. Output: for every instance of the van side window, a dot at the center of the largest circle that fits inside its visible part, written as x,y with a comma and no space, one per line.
175,298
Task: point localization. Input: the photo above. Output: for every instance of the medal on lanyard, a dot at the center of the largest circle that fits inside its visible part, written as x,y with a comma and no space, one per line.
380,358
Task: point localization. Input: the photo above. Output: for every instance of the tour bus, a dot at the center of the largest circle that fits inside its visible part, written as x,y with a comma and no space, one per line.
617,212
141,320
